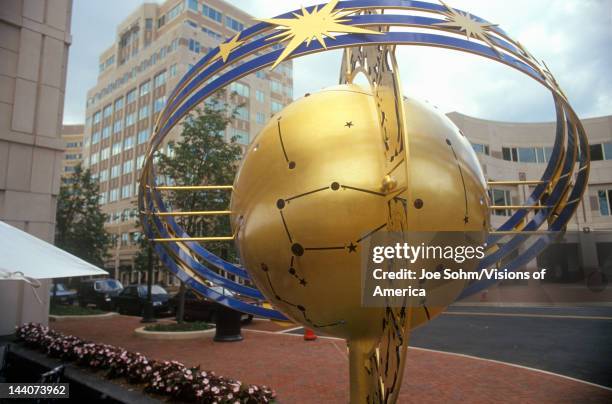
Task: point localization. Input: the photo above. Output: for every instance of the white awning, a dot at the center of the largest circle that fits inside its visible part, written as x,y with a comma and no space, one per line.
25,256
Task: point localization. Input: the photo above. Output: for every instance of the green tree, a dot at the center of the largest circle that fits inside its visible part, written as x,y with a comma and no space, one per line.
202,157
79,225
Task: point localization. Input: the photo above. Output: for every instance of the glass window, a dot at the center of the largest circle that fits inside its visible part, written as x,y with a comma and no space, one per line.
607,150
193,5
117,126
233,24
130,119
276,106
596,152
139,162
261,97
159,104
212,13
160,79
128,143
501,198
194,46
97,117
145,88
95,138
131,96
127,167
240,136
143,136
276,86
116,148
174,12
240,89
212,34
527,155
115,171
93,159
480,148
103,175
108,111
106,132
605,201
173,70
242,113
105,153
261,118
126,191
548,153
113,195
144,112
506,154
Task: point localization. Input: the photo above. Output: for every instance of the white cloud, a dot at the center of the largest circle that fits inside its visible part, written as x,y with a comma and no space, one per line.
574,37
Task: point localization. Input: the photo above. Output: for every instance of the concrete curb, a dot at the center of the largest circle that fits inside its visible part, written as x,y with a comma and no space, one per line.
181,335
91,317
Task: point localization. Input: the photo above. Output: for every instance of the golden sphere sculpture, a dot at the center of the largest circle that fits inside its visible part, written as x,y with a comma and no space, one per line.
336,169
313,186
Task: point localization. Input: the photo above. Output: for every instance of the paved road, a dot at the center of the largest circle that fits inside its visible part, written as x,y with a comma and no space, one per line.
575,342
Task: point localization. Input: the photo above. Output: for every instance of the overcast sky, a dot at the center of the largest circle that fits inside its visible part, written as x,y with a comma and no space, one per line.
574,38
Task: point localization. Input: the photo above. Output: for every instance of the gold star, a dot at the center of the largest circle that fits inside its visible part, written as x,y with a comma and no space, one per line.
313,25
226,48
466,23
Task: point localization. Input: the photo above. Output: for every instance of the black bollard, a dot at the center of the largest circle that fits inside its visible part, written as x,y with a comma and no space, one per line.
228,323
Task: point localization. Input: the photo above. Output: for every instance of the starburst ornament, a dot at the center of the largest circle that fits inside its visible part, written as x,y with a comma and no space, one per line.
318,24
228,47
466,23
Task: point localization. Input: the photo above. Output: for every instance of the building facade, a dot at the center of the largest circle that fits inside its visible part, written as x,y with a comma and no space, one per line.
34,42
72,136
519,152
155,46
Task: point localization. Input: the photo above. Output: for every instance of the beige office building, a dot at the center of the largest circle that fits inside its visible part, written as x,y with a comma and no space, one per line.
519,152
34,41
154,48
72,136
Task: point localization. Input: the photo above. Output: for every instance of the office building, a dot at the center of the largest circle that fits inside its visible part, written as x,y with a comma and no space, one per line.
155,46
72,136
34,42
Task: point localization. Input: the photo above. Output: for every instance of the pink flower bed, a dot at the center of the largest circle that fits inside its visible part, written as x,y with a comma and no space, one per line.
171,379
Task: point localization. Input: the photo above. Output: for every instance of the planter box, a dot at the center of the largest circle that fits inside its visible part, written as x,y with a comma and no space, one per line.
26,366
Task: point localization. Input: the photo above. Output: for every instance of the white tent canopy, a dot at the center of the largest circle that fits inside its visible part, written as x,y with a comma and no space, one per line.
25,256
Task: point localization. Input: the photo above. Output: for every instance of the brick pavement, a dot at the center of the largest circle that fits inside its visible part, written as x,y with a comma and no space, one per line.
317,372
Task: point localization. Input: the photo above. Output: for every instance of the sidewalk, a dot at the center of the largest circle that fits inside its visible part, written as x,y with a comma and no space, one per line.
317,372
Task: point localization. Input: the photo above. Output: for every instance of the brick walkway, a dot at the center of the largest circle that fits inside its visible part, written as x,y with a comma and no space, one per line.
317,372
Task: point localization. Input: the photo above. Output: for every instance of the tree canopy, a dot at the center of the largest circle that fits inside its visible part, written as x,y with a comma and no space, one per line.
79,227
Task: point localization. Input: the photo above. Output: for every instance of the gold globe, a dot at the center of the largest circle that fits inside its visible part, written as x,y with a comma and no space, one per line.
314,185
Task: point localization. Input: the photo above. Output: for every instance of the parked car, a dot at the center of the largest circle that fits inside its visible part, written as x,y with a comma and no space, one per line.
198,308
133,298
98,292
62,295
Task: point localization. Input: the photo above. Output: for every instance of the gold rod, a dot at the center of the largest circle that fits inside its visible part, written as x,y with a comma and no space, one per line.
515,182
193,188
518,207
178,239
202,213
510,232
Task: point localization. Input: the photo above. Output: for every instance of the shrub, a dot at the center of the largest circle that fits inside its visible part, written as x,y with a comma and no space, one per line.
168,378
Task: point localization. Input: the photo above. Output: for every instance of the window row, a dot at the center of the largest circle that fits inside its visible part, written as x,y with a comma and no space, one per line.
135,71
527,154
